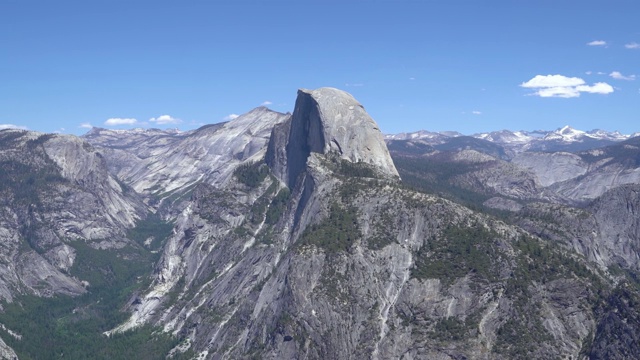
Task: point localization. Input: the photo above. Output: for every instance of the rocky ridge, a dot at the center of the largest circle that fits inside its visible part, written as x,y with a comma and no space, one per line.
326,255
162,162
294,237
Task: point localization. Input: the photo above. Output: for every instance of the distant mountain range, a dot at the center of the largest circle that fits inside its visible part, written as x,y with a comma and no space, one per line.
562,139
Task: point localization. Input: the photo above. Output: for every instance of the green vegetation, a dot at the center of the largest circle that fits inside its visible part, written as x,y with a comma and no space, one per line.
336,233
626,152
458,252
278,206
357,169
632,277
72,327
434,176
519,337
151,227
451,329
259,207
385,231
351,187
537,262
544,262
252,174
22,183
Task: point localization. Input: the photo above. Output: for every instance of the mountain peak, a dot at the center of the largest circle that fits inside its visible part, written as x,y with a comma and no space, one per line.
328,120
566,129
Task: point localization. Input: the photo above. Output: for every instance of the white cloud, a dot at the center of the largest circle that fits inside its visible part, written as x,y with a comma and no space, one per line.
120,121
165,119
560,91
564,87
597,88
633,45
545,81
597,43
265,103
618,76
476,112
230,117
588,72
86,126
11,126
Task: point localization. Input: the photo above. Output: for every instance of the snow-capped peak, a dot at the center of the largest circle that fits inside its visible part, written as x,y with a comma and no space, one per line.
505,137
523,140
566,134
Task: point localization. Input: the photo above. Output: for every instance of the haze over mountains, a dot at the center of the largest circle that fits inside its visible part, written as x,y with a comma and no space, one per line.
311,235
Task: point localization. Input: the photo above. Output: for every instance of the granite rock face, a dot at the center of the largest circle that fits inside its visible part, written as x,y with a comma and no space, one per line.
162,162
329,256
551,168
293,237
328,121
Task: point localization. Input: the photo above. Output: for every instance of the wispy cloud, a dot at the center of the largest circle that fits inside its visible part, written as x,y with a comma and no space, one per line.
266,103
86,125
165,119
588,72
230,117
597,43
633,45
120,121
11,126
597,88
412,78
564,87
618,76
476,112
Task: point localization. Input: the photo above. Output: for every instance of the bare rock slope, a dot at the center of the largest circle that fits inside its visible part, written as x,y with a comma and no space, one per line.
322,253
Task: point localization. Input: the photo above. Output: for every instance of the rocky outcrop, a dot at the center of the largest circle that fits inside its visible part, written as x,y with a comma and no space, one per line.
503,204
7,353
551,168
327,121
617,214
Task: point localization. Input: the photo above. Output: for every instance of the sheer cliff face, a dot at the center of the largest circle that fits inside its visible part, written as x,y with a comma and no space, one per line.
327,121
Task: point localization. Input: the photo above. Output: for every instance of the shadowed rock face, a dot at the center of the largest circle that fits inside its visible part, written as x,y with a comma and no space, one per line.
306,135
324,121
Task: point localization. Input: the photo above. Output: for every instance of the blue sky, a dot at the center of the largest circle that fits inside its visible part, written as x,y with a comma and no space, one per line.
470,66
